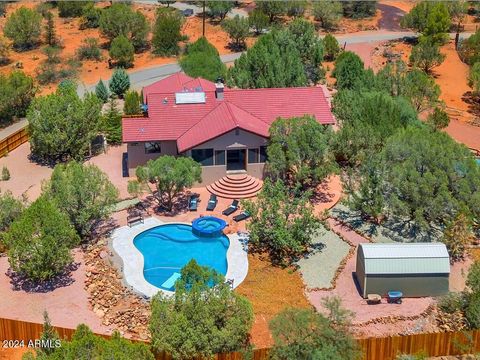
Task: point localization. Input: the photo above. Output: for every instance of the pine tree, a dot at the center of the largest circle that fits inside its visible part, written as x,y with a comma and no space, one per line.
102,92
49,335
50,33
120,82
132,103
112,123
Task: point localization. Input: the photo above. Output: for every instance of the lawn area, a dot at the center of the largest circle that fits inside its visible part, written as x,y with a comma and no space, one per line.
270,289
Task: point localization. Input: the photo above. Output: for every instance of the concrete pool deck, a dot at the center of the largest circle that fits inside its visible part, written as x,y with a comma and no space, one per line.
132,258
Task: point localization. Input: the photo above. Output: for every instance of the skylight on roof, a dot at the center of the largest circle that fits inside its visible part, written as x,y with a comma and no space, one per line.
197,97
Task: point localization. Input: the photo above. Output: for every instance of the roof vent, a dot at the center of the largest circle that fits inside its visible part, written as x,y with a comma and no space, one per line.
165,101
219,90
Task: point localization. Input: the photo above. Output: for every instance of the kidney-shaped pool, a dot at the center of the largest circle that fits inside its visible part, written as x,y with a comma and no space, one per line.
168,248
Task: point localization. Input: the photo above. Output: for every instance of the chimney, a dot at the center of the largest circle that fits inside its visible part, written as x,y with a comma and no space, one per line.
219,90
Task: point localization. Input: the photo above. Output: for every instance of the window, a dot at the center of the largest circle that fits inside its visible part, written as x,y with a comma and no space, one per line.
252,156
203,156
263,154
219,157
152,147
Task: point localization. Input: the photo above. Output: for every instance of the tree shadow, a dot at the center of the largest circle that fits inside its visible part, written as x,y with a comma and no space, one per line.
20,282
180,205
322,194
104,228
473,103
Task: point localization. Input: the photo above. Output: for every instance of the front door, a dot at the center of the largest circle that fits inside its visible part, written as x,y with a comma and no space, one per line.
236,160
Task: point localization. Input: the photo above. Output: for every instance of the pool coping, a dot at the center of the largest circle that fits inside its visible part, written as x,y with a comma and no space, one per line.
132,258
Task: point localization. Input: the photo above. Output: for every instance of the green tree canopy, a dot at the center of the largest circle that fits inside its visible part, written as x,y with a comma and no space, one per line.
62,125
71,8
17,91
122,51
132,103
167,32
426,55
39,242
430,18
366,121
121,19
438,119
358,9
120,82
348,70
474,78
112,123
202,59
273,8
331,47
83,192
306,334
10,209
282,224
24,28
469,49
298,151
238,29
296,8
219,9
423,177
420,89
328,13
258,21
101,91
282,58
169,177
203,317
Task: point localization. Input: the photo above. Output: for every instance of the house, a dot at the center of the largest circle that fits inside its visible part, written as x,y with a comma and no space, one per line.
225,130
415,269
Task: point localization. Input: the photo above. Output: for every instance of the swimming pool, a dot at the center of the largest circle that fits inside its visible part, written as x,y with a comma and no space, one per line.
167,248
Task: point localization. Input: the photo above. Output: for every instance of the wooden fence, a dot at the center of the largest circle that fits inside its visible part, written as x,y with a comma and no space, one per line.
387,348
13,141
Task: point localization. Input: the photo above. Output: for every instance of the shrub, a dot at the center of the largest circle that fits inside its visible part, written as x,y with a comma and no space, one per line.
89,50
17,90
438,119
426,55
219,9
348,70
359,9
167,32
121,51
83,192
23,27
202,59
472,312
10,209
452,302
102,92
473,78
90,16
331,47
5,174
50,33
258,20
238,29
469,49
4,51
71,8
202,318
328,13
62,125
273,8
39,242
296,8
120,82
132,103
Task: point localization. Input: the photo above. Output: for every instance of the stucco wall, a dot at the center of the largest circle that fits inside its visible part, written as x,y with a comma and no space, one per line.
137,156
230,140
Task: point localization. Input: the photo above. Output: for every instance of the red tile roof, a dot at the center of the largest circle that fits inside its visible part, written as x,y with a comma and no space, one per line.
193,124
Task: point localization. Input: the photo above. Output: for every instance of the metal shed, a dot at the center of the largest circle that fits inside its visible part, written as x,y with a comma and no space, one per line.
417,269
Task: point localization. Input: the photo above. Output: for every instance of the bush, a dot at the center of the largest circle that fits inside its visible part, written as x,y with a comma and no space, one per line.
219,9
202,59
328,13
330,47
89,50
10,209
273,8
472,312
4,51
5,174
469,49
167,32
438,119
90,16
132,103
359,9
202,318
17,90
238,29
121,51
452,302
426,55
23,27
50,33
83,192
39,242
120,82
431,19
71,8
62,125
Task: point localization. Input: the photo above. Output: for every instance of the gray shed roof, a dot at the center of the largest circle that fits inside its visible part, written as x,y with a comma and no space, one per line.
412,258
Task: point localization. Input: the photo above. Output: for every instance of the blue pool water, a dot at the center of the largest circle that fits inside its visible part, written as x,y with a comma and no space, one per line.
167,248
208,226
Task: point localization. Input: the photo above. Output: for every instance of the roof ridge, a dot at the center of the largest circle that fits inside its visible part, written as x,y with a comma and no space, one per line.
248,112
201,119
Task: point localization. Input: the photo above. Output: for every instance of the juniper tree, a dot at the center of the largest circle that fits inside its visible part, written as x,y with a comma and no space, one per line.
120,82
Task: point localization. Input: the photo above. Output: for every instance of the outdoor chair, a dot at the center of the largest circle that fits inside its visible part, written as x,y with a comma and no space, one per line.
231,209
212,202
242,216
193,202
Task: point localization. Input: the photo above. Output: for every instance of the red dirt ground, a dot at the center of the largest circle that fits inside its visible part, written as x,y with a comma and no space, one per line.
12,354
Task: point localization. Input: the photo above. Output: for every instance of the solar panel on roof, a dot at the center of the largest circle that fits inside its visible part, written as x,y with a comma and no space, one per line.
190,98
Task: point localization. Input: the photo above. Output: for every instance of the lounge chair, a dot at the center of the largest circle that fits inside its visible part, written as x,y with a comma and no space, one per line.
193,203
231,209
212,202
242,216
